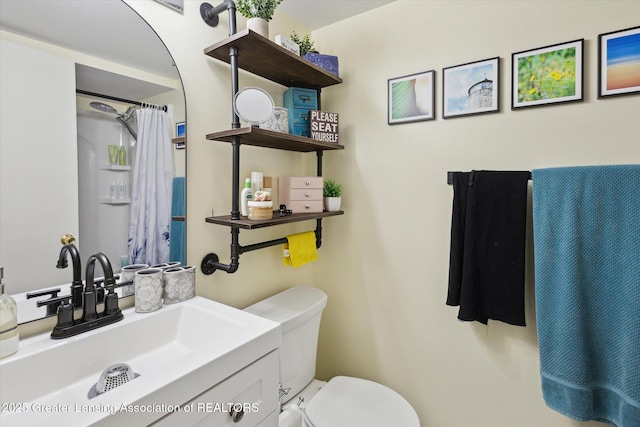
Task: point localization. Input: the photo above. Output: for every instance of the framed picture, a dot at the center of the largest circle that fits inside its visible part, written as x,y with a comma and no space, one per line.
548,75
180,129
180,133
619,63
411,98
472,88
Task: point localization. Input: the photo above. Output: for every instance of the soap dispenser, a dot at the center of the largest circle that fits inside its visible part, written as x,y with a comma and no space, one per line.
9,335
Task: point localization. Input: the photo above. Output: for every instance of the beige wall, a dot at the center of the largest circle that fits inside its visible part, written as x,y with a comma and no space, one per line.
385,263
386,319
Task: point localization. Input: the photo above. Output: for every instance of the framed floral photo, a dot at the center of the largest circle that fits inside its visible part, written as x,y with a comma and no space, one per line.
411,98
548,75
472,88
619,63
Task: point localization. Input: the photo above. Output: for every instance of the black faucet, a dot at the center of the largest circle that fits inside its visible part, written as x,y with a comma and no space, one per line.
90,294
76,285
67,326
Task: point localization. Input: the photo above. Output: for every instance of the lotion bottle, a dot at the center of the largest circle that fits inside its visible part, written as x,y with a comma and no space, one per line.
9,336
113,190
122,190
245,196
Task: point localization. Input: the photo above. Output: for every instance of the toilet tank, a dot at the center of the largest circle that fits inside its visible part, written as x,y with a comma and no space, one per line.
298,310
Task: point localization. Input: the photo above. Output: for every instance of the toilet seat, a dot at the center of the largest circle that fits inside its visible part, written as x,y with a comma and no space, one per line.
355,402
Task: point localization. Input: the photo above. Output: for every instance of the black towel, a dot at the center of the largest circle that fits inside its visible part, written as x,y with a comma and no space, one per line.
488,231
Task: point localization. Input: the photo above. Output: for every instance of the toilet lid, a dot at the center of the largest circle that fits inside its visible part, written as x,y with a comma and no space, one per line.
354,402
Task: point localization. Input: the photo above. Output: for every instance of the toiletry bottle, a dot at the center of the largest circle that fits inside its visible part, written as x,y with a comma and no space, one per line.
266,186
122,190
113,190
122,156
256,181
9,336
245,196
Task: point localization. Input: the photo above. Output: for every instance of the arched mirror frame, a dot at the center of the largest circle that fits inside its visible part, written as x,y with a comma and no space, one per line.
180,115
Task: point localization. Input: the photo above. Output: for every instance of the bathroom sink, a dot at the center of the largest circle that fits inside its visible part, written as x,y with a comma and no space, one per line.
176,353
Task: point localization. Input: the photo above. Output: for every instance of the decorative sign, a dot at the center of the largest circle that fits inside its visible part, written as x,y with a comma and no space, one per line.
288,44
324,126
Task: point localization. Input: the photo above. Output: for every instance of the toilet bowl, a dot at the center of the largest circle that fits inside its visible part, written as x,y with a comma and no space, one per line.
342,401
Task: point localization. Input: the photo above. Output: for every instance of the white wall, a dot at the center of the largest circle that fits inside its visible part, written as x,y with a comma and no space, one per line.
35,84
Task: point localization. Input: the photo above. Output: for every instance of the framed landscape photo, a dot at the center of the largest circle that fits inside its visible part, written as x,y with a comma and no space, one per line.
411,98
548,75
472,88
619,63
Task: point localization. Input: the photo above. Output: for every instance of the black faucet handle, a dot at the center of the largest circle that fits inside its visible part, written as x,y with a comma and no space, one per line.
52,305
52,292
64,310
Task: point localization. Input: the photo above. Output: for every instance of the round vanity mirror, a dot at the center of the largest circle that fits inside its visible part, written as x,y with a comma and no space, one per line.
253,105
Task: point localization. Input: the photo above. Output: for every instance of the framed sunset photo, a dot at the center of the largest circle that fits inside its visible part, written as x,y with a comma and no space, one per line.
619,63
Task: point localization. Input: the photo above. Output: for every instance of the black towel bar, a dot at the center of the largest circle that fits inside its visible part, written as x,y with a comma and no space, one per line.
450,177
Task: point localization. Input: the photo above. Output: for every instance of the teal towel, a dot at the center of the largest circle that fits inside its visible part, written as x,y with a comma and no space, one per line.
587,273
177,249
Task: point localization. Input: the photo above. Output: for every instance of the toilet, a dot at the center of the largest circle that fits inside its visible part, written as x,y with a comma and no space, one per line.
342,401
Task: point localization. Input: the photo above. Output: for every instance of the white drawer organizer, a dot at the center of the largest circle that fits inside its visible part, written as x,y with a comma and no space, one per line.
301,193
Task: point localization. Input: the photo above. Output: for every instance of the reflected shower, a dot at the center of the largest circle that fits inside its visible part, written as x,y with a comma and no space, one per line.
123,118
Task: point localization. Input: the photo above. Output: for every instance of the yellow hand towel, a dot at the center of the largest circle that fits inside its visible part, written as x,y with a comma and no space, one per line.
300,250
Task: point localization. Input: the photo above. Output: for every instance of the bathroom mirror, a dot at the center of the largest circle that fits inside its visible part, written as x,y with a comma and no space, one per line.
253,105
111,53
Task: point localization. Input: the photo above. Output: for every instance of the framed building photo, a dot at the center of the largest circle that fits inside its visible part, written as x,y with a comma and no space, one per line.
548,75
411,98
619,63
472,88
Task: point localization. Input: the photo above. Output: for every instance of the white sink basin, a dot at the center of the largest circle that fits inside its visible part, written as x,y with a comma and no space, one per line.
178,352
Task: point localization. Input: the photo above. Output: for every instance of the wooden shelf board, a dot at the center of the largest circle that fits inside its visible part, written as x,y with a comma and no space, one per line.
264,58
272,139
248,224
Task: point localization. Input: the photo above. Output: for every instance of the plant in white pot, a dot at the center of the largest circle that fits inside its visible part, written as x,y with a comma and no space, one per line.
332,192
258,14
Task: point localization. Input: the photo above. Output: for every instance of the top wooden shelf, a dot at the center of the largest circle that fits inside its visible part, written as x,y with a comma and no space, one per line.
264,58
271,139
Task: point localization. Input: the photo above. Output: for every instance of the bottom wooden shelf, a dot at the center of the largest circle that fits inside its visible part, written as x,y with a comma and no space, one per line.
248,224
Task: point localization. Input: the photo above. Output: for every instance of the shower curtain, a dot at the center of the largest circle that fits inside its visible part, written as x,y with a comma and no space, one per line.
150,219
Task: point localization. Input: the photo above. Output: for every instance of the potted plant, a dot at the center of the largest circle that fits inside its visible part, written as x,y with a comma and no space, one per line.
305,43
258,14
332,192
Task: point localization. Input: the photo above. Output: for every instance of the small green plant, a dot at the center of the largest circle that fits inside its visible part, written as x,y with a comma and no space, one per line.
257,8
305,43
331,188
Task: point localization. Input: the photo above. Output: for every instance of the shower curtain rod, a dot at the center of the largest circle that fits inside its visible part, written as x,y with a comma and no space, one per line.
113,98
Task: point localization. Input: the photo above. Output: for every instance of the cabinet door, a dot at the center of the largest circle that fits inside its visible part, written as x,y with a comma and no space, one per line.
254,389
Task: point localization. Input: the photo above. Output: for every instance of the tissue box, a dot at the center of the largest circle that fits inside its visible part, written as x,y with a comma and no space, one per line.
328,62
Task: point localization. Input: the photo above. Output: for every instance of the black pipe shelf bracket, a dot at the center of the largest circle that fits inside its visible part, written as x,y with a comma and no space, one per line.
211,262
297,71
210,14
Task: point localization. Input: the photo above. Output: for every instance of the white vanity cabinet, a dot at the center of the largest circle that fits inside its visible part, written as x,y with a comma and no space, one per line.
253,389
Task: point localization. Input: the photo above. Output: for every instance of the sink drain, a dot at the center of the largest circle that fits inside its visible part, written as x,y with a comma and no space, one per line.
112,377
